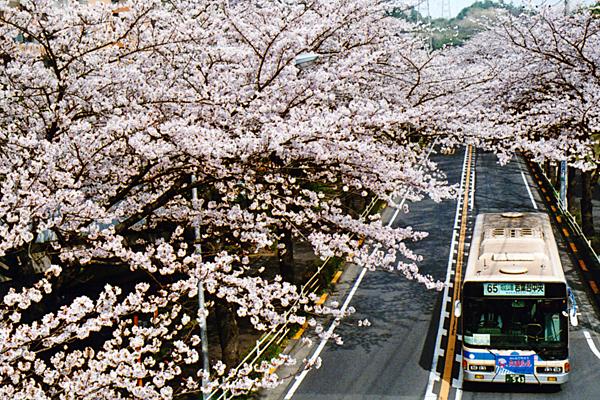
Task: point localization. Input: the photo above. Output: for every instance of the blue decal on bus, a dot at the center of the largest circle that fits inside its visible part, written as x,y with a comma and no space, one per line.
515,364
471,355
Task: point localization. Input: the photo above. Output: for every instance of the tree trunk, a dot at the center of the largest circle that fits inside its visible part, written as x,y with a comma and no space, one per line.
286,255
571,185
229,333
588,181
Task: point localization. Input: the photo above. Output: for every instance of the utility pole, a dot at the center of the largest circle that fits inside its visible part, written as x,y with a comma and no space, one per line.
201,304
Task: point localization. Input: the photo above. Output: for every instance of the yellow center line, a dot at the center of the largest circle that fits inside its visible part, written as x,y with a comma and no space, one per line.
451,347
582,264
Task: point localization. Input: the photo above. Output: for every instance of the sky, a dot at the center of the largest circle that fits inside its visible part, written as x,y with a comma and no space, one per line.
435,6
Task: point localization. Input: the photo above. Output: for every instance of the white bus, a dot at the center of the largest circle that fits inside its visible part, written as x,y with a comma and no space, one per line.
515,302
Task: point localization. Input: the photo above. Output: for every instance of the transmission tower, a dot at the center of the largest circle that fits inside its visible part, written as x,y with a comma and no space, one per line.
446,9
423,9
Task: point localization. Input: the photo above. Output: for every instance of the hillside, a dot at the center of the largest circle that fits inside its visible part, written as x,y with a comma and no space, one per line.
458,29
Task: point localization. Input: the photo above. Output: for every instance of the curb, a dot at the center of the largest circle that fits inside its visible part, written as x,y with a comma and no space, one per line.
587,263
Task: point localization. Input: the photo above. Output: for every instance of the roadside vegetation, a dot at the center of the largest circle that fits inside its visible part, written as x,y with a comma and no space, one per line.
152,151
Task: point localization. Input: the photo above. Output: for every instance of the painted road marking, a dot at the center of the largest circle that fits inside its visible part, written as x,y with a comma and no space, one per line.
573,247
528,191
335,323
559,219
594,287
451,346
582,264
337,276
565,232
300,331
591,343
438,352
322,299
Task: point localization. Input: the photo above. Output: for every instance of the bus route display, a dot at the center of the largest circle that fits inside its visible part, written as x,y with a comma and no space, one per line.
514,289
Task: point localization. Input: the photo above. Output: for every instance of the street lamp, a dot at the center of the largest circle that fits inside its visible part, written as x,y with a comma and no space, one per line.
305,60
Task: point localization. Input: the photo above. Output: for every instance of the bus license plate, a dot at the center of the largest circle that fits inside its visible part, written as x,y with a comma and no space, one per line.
514,378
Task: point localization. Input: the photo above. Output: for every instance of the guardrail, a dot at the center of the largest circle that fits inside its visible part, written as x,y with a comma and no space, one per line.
279,334
589,262
570,219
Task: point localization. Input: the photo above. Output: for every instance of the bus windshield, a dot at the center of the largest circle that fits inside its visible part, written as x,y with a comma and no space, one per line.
524,323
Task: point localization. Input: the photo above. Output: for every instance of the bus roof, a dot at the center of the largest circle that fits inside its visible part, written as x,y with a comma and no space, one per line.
513,247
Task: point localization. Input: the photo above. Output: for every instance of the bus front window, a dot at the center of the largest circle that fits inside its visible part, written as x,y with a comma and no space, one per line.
514,323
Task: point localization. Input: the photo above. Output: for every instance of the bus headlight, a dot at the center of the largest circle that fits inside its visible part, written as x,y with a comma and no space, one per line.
481,368
549,370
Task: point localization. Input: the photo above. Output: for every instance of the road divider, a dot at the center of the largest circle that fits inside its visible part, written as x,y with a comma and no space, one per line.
446,350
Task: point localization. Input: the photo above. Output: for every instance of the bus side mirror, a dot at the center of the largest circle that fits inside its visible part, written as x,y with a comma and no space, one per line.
457,309
572,314
573,317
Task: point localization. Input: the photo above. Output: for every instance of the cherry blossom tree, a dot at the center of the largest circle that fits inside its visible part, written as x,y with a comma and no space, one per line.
538,91
150,147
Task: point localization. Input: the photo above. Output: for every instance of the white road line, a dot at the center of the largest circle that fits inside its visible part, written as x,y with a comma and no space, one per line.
472,191
591,343
336,322
434,376
529,191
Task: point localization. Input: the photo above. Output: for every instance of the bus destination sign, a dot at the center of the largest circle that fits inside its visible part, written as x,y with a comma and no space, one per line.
514,289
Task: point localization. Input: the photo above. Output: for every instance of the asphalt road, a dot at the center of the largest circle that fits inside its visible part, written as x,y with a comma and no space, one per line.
396,356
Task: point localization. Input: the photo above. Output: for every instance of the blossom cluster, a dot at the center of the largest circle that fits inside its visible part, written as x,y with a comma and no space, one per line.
174,140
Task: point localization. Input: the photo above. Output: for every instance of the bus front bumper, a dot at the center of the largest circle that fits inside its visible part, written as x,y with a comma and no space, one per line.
538,379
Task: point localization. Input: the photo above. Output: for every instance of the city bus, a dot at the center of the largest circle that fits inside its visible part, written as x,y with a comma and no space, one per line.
515,304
